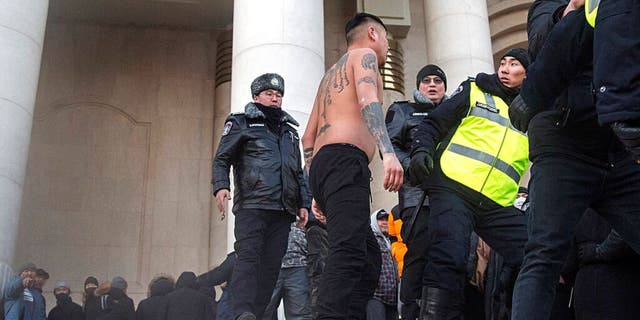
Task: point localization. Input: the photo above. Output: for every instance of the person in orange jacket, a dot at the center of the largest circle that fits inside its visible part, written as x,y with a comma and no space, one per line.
398,247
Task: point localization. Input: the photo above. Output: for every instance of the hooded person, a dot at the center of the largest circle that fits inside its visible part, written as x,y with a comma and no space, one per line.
114,302
469,160
155,306
91,303
186,302
384,301
65,308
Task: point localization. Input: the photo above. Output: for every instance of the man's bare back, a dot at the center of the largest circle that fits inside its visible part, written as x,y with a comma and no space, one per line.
339,117
348,109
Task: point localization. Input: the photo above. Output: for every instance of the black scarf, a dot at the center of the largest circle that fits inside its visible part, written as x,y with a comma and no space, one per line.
490,83
274,117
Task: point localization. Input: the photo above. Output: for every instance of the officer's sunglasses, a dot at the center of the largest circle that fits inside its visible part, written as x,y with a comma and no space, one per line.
435,80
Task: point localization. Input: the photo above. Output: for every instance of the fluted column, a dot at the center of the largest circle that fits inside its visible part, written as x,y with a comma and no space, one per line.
281,36
458,38
22,25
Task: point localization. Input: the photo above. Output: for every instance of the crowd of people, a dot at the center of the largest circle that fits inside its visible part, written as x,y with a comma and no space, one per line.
466,240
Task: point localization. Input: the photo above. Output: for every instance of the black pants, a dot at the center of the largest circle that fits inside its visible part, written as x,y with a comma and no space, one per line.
561,189
607,291
317,251
450,224
414,261
261,241
339,178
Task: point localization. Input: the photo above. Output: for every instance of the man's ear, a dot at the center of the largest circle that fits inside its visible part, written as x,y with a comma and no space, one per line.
372,33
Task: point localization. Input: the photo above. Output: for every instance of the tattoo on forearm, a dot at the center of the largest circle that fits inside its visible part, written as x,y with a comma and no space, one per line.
368,80
372,115
308,156
369,61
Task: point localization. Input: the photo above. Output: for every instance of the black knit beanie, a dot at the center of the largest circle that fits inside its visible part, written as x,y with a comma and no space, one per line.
431,70
519,54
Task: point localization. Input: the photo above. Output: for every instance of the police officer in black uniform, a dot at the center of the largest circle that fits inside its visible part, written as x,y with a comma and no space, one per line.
402,121
262,145
470,161
577,163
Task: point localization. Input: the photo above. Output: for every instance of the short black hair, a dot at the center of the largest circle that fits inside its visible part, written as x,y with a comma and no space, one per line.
359,19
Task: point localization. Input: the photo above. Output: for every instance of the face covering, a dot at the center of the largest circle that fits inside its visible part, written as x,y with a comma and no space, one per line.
61,298
90,291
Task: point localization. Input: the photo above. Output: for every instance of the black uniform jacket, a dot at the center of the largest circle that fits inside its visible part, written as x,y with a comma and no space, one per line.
266,167
440,125
403,118
558,85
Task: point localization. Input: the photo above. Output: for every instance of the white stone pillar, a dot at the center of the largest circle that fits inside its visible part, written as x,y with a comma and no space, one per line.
22,25
281,36
458,38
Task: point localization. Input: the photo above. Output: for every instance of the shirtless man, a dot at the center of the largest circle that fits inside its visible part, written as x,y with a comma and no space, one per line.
345,126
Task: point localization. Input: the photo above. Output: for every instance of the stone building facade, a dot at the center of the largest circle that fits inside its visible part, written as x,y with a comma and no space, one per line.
110,113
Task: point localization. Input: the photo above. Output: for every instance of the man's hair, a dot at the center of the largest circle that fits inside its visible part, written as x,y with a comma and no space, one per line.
359,19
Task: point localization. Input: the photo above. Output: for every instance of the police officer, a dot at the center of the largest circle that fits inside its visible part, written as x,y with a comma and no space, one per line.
479,161
616,74
262,145
577,163
402,121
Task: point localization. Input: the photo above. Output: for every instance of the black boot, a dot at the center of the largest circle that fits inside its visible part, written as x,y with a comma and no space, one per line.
439,304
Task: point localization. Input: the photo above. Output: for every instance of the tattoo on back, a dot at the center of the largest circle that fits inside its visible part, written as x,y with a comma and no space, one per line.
335,78
372,115
369,61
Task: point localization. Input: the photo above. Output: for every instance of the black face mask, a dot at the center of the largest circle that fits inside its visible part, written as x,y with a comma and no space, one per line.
90,291
62,298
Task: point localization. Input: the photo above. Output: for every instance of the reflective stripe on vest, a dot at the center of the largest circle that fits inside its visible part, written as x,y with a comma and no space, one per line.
486,153
591,11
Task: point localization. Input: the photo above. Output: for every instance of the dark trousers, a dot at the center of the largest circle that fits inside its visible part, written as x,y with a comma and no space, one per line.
377,310
616,48
450,224
607,291
261,241
339,179
317,251
560,190
414,261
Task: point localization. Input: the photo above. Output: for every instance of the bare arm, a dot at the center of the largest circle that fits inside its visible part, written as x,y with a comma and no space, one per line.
309,137
367,78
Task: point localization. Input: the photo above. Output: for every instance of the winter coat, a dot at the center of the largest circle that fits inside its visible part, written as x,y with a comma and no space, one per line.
387,288
266,167
155,307
18,300
402,120
66,309
186,303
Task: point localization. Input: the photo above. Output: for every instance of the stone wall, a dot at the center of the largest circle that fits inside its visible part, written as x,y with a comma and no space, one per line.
118,177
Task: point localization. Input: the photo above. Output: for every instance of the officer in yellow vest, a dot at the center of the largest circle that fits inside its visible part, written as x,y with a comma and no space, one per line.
470,160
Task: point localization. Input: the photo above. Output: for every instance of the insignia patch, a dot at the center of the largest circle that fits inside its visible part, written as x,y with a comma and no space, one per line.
227,128
256,125
457,91
487,107
275,82
423,114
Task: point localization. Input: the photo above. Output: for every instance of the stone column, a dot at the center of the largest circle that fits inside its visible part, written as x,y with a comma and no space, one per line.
458,38
22,25
282,36
222,104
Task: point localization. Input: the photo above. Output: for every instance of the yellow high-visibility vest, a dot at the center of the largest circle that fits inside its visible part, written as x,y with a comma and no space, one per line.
486,153
591,11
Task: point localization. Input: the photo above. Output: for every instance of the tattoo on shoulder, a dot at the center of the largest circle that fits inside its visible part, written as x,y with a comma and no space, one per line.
372,115
368,80
369,62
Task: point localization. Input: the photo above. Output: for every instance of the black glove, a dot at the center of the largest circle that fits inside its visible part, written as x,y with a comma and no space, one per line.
420,167
588,253
629,135
520,114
